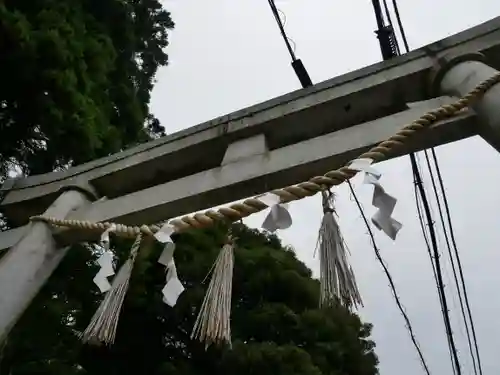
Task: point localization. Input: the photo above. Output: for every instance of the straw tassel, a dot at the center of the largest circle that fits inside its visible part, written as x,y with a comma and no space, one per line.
337,280
102,327
212,325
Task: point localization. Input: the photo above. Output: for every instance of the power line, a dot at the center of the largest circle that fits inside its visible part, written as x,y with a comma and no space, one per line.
421,190
389,278
457,256
385,33
390,48
448,246
389,20
427,211
452,234
400,25
282,28
297,65
429,252
306,81
283,21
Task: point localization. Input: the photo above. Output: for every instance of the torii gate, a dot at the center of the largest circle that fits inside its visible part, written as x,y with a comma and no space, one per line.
280,142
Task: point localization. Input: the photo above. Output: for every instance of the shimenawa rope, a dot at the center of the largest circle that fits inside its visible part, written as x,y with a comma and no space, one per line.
237,211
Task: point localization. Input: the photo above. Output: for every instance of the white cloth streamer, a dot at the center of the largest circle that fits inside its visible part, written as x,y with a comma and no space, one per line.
278,217
173,287
106,262
385,202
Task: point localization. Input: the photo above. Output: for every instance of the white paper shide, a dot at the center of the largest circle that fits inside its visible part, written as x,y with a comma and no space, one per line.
385,202
173,287
278,217
105,261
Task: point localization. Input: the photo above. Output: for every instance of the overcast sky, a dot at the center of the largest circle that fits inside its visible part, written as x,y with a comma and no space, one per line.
226,55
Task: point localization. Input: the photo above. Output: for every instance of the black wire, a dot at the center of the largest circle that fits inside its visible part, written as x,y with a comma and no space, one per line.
448,246
429,252
378,14
427,211
389,278
418,202
282,29
457,256
389,20
425,203
408,324
400,25
452,235
283,22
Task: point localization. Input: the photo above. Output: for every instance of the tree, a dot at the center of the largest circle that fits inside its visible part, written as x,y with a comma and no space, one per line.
76,79
76,83
276,325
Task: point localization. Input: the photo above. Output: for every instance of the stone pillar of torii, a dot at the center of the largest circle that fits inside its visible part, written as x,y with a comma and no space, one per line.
251,162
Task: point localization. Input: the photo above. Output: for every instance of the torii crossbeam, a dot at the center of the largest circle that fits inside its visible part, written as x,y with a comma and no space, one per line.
276,143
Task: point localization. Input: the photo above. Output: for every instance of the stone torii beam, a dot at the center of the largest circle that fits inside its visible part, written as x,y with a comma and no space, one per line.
277,143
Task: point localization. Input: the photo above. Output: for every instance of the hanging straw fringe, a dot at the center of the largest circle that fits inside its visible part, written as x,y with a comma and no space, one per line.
212,325
337,279
102,327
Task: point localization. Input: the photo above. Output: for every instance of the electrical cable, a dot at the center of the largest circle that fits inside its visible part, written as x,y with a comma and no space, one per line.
427,211
448,246
282,14
400,25
297,65
389,278
457,256
454,354
452,235
429,253
306,81
282,28
385,33
418,204
389,20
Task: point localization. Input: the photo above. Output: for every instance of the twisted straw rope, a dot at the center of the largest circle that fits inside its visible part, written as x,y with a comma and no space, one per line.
237,211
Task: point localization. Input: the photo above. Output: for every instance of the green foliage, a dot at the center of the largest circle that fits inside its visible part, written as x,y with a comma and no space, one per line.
76,78
277,327
76,83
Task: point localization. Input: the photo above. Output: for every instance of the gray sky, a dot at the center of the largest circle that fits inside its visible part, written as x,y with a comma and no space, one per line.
227,55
